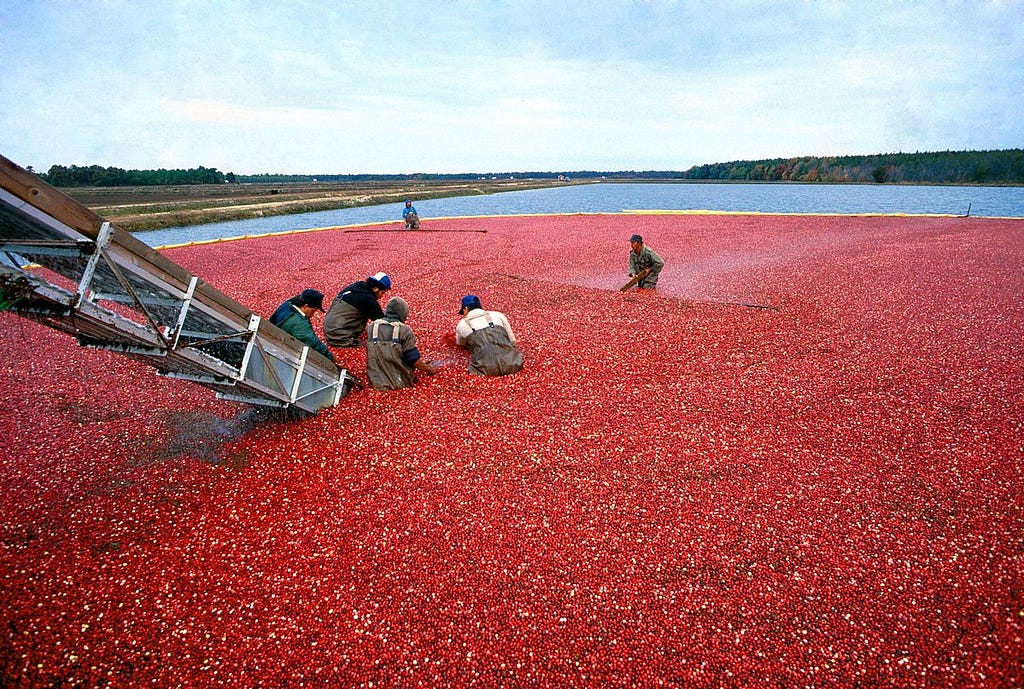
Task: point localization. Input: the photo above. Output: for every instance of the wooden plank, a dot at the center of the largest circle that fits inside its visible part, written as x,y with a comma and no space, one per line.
633,280
35,192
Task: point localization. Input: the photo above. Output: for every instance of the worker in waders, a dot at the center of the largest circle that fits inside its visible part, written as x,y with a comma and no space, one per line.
392,357
488,335
354,306
643,261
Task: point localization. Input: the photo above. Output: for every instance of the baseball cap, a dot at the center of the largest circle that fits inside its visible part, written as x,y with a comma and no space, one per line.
470,301
311,297
381,279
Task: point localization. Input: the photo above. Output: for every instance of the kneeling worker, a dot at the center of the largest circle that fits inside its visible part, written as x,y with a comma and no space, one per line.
644,262
412,218
488,335
294,316
391,353
352,308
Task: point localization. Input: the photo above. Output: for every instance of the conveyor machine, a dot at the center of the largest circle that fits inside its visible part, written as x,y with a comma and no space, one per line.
67,268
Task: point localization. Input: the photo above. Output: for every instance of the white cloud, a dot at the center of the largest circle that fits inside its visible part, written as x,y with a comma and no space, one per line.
300,86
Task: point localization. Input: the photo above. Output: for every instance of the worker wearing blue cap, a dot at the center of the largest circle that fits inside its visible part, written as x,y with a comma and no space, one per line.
488,335
644,262
353,308
294,317
412,218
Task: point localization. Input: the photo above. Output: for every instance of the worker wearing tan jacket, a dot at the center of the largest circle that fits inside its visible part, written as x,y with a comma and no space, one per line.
489,336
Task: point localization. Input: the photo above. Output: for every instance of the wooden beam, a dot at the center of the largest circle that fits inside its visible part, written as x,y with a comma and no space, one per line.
35,192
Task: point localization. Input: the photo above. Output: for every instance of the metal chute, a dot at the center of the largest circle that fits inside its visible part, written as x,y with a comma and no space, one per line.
69,269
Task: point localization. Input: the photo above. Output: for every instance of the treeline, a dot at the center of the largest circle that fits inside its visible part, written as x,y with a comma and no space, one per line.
97,176
944,167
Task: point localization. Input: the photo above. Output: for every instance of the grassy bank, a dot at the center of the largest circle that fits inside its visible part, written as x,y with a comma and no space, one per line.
148,208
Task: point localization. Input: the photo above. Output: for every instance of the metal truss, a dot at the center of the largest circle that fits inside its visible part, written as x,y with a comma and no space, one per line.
67,268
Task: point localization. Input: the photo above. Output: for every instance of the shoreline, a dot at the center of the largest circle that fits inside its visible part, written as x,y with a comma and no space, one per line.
139,209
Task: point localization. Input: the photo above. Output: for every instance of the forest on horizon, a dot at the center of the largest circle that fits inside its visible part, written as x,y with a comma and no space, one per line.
943,167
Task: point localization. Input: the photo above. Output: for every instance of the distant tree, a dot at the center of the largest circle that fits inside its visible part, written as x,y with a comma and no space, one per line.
941,167
97,176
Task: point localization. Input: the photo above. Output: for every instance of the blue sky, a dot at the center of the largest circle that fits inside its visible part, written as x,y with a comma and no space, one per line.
458,86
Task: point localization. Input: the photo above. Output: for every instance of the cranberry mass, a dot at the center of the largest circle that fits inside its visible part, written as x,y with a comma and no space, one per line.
799,462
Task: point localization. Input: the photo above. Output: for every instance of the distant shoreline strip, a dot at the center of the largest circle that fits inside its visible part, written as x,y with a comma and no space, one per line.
839,215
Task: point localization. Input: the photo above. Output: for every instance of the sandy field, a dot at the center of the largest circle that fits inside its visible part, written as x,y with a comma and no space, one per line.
800,462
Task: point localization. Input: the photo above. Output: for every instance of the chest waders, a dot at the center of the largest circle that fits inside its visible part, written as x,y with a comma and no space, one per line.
494,354
343,323
384,364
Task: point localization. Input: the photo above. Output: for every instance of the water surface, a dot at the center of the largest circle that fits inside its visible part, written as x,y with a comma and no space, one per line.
616,198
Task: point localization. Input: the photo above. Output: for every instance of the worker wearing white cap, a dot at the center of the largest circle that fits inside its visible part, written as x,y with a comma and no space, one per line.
353,308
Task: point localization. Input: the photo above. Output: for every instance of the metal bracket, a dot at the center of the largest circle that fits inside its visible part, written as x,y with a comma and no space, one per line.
102,239
185,304
298,374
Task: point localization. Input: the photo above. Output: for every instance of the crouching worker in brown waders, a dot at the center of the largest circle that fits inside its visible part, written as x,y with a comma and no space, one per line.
488,335
391,354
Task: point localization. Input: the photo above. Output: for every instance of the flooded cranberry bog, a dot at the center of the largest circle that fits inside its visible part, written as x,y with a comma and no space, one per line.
798,463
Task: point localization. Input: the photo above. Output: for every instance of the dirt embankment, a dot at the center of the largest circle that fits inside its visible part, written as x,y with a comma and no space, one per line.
149,208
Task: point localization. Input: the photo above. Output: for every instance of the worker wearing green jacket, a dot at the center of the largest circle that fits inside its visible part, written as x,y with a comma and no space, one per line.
294,316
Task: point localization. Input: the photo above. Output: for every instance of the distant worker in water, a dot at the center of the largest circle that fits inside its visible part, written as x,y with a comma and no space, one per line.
352,308
294,317
488,335
392,357
644,265
412,218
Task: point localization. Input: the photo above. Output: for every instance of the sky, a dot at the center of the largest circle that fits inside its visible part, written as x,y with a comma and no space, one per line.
460,86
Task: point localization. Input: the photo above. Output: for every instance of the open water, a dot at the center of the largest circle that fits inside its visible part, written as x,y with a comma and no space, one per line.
616,197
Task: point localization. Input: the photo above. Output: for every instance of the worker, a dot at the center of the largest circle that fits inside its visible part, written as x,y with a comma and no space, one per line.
354,306
488,335
643,261
294,317
411,217
391,354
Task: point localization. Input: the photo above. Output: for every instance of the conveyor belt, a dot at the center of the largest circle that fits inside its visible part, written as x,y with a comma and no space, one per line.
67,268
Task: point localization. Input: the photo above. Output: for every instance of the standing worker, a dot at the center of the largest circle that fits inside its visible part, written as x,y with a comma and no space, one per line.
352,308
488,335
645,263
294,317
391,353
412,218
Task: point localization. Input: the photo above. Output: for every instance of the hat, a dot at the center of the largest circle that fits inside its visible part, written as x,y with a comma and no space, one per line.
310,297
381,279
636,238
470,301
